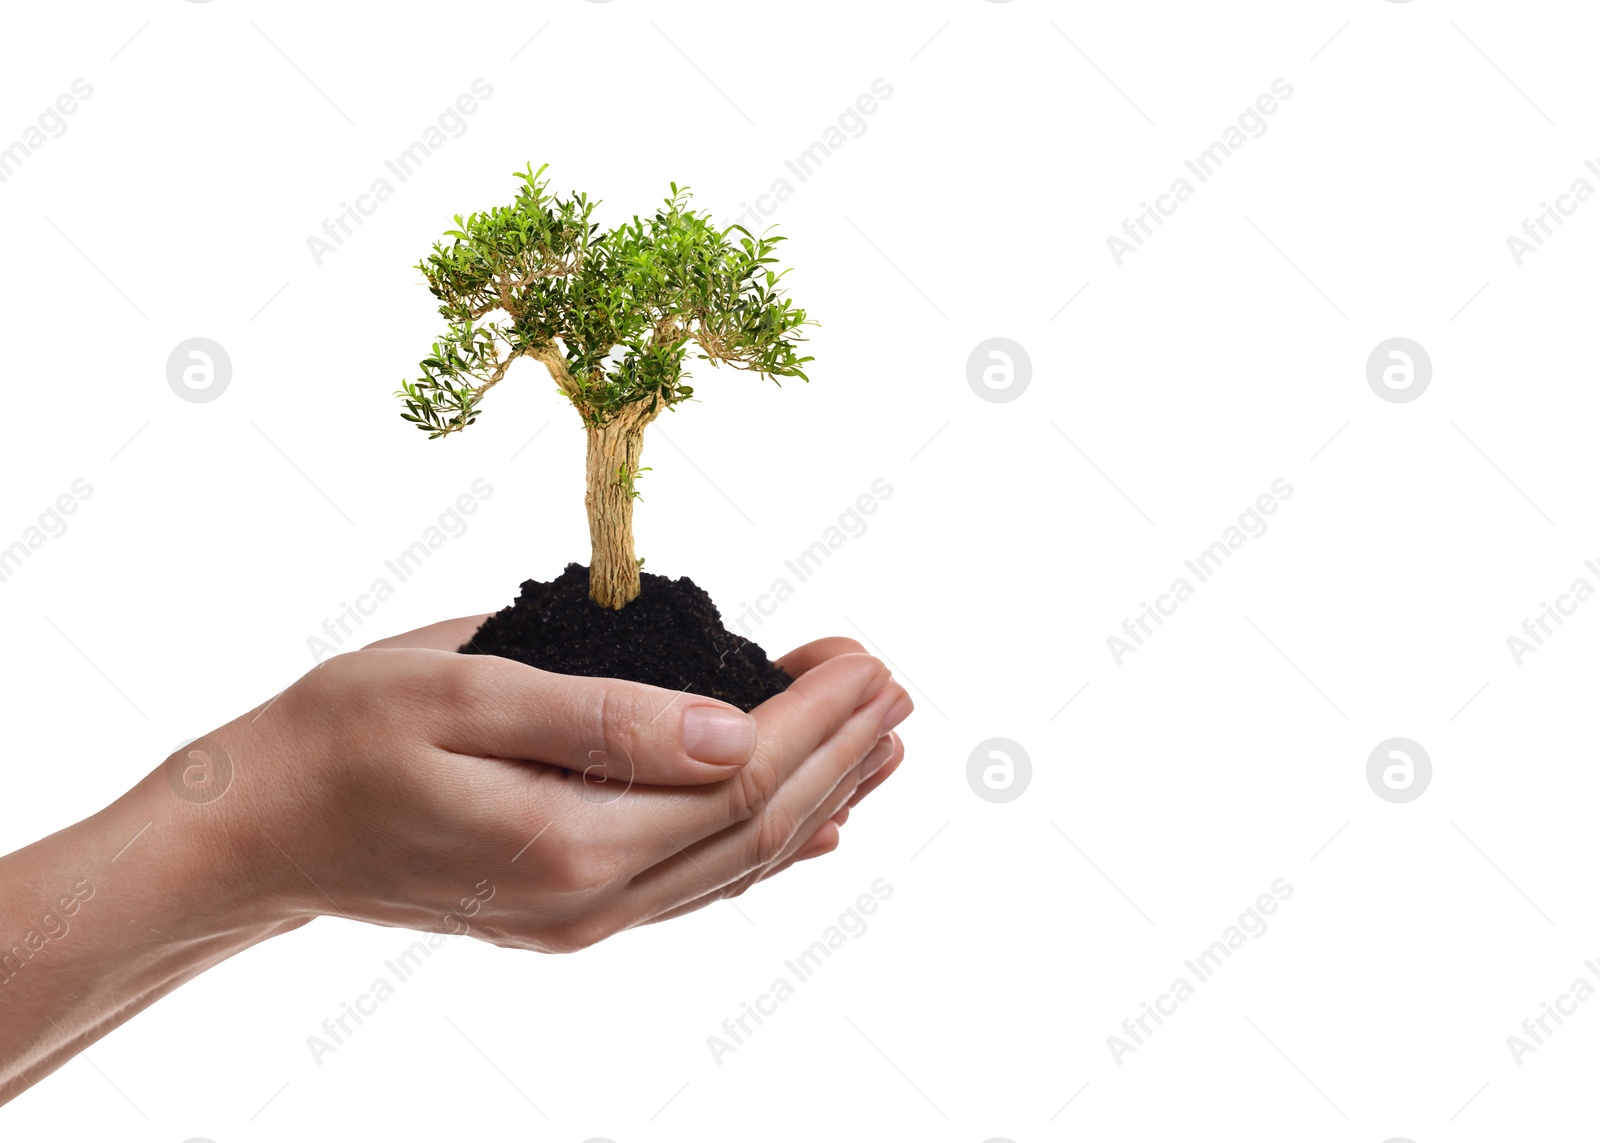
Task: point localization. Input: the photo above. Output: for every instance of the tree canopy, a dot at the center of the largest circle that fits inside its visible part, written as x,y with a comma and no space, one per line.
613,314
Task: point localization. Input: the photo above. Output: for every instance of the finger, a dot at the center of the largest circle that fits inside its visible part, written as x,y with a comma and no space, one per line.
837,802
791,728
609,730
802,659
882,776
819,839
822,784
447,635
824,841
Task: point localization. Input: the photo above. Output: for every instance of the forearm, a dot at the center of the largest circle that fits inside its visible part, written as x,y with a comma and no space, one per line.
102,919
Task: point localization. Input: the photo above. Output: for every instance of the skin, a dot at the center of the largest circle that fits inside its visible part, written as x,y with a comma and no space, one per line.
409,786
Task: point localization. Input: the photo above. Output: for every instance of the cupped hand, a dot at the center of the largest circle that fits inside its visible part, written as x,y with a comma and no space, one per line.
449,634
408,785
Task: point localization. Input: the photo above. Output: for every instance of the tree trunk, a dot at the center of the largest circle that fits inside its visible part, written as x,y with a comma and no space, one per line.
613,466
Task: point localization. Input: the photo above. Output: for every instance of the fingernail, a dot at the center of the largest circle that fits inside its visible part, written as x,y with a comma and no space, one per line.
718,735
898,713
876,757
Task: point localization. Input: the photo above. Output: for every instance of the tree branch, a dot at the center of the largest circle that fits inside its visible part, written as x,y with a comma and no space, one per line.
550,357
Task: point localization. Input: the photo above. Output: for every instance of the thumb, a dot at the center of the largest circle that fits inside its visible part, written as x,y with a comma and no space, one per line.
607,729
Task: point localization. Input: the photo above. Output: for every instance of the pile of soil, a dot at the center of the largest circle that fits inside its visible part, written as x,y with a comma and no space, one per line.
671,636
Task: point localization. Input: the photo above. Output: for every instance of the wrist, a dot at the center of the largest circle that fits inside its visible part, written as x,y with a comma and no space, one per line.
193,833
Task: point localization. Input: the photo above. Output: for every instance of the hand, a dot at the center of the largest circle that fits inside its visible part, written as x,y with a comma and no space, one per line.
452,633
404,784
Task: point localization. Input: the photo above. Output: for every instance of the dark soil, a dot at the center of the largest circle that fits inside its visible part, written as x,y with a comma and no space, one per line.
671,636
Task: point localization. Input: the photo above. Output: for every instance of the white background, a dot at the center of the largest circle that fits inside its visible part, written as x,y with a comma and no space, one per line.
1227,353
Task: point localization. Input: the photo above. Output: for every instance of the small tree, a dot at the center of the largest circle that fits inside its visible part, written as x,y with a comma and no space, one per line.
613,316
